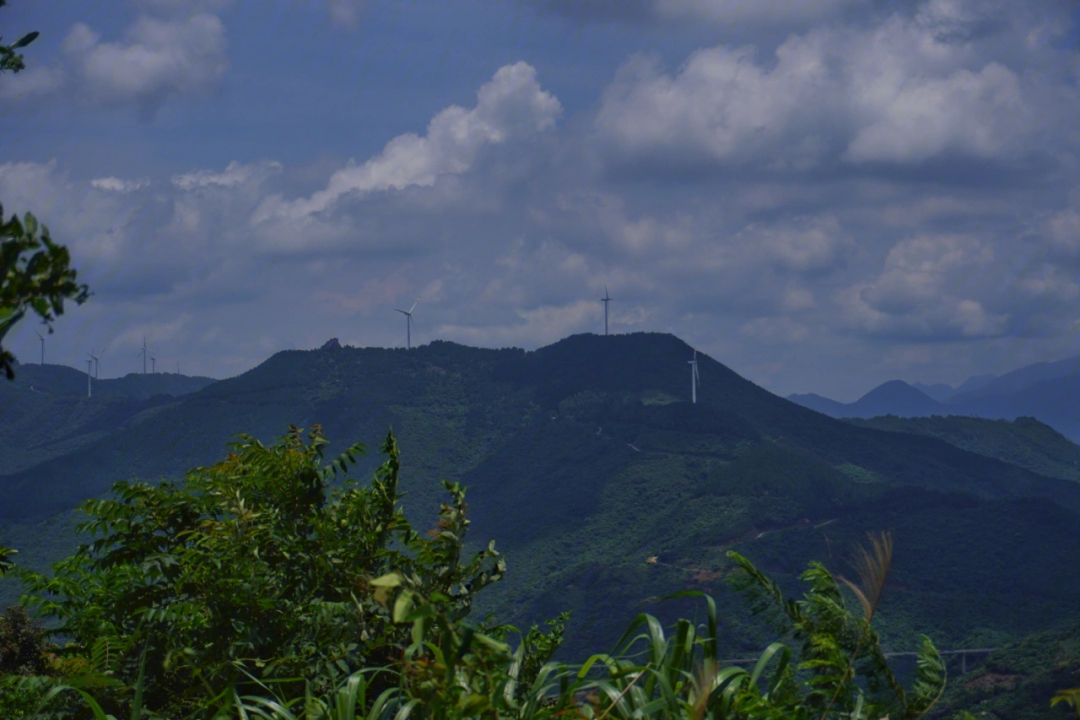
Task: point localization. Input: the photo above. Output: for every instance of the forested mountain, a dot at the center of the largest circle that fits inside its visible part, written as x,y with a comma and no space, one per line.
45,411
1024,442
606,488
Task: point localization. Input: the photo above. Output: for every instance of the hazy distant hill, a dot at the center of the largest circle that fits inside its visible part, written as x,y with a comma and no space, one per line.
938,391
1049,392
1018,380
895,397
586,458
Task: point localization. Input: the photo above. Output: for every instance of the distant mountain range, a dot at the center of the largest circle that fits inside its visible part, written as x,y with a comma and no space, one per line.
1049,392
603,484
45,411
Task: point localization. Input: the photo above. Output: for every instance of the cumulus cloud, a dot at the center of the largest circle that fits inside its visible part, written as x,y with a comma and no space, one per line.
921,291
511,106
909,89
157,60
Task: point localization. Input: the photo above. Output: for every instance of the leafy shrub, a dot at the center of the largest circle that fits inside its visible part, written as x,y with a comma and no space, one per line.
252,570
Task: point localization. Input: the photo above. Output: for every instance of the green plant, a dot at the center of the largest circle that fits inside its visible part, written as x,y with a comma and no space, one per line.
23,647
252,571
1070,697
9,58
841,652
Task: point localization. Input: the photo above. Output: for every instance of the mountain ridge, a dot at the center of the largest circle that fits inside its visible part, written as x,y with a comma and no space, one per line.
586,457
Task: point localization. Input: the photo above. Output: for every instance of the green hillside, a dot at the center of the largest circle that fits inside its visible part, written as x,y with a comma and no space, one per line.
46,413
1017,681
1024,442
607,488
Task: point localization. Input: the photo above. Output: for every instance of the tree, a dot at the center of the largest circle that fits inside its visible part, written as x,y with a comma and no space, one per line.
252,570
35,273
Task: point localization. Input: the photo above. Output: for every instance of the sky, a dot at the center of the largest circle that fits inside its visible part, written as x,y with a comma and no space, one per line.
821,194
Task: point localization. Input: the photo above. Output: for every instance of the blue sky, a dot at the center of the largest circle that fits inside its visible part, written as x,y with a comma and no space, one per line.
823,195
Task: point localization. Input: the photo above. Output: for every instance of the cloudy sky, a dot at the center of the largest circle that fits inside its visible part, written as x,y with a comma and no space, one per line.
821,194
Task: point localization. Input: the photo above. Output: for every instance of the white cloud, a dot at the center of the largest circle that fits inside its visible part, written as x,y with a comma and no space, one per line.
722,103
114,184
511,106
905,90
157,60
30,83
235,173
925,290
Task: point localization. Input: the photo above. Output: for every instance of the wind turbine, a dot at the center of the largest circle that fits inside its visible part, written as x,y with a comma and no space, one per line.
143,352
408,324
153,365
42,339
606,299
695,379
96,361
89,365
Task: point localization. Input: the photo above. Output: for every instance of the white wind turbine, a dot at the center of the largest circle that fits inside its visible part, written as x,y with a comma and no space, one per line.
96,360
695,379
89,367
606,299
42,339
408,324
145,353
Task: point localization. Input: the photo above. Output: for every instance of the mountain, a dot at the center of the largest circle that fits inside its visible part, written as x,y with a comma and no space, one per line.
895,397
47,414
1024,442
606,488
1017,680
973,383
1049,397
820,404
67,381
938,391
1018,380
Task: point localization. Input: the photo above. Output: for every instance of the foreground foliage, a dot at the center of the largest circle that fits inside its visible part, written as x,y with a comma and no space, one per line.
256,589
252,570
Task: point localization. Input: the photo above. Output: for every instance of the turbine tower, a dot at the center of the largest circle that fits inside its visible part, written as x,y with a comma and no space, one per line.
42,339
96,362
695,379
143,352
89,365
606,299
408,324
153,365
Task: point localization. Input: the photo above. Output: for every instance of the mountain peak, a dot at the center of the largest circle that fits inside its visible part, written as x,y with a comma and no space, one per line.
895,397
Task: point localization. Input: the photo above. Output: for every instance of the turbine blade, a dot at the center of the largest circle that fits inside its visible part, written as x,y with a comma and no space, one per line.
414,306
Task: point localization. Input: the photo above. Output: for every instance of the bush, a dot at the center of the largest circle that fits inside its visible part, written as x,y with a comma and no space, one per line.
252,570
